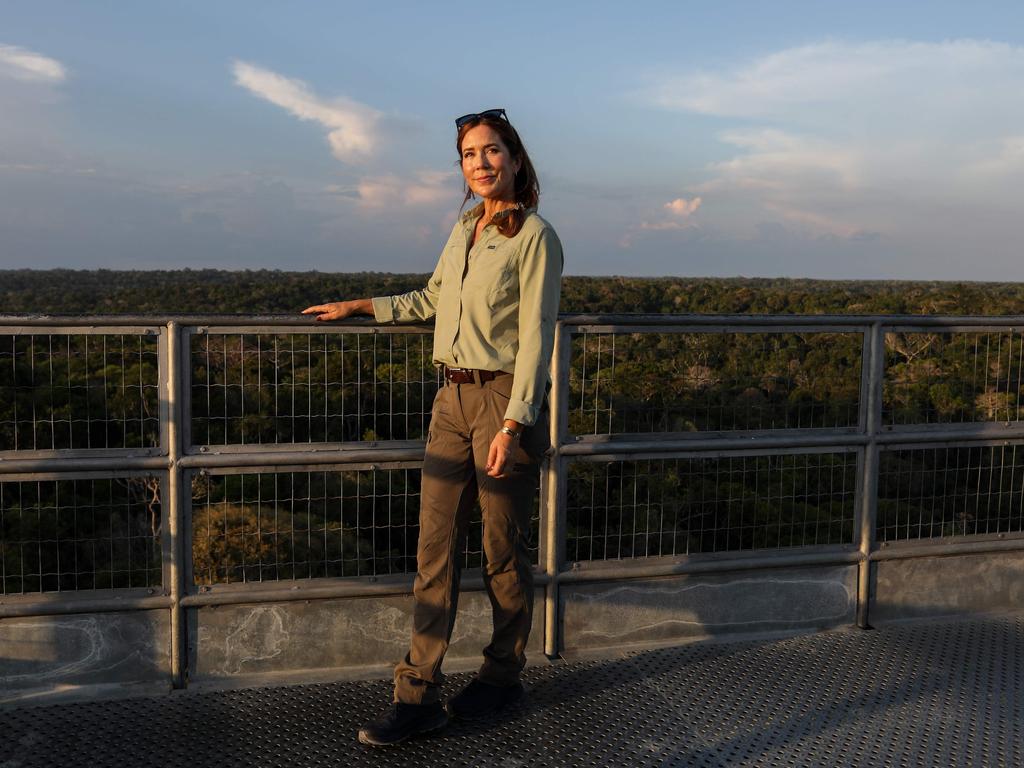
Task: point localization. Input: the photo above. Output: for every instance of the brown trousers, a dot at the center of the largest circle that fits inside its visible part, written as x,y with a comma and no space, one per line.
463,423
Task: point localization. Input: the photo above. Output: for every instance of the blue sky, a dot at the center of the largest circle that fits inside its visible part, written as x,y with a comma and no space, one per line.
803,139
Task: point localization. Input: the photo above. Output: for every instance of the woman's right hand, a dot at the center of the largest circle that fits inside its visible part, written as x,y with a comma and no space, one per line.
339,310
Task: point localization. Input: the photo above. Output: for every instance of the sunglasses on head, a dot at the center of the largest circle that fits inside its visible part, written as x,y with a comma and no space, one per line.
474,116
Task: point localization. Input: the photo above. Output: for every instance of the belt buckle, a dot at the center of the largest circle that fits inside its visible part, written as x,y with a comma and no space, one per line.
454,375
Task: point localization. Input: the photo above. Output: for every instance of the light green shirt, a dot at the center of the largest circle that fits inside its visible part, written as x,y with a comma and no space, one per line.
495,306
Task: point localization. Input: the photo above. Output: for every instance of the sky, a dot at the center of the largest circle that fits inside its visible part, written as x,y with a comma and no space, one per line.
868,140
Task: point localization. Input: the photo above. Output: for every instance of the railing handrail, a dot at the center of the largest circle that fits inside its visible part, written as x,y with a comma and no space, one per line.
569,319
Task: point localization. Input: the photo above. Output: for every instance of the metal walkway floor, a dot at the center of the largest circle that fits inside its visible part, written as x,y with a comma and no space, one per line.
923,694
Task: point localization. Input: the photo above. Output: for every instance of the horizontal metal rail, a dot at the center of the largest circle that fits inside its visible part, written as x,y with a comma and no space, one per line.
59,604
899,322
656,567
610,448
908,550
323,589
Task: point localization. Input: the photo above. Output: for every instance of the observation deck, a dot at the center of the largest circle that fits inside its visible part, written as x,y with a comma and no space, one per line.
213,505
934,694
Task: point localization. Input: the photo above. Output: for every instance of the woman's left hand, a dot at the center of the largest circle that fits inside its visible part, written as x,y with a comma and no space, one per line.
499,457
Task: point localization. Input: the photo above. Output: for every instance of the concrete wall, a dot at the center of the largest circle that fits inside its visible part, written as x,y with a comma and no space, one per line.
44,655
610,614
239,641
40,657
943,586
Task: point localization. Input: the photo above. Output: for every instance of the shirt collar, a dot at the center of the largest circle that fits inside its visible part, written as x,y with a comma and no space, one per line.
473,213
477,211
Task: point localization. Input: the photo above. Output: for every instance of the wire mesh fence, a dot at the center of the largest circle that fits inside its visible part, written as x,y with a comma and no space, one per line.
101,391
953,377
61,391
66,535
684,506
311,387
689,382
926,493
257,527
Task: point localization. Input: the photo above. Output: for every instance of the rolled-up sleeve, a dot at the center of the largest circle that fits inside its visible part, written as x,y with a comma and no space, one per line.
412,307
540,282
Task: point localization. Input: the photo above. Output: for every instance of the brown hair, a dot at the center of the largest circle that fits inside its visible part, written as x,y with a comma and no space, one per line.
526,187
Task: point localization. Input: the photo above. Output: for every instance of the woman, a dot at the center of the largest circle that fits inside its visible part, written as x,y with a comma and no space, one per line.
494,296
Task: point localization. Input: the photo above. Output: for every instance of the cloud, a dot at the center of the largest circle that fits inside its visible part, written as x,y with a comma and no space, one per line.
774,157
33,122
679,212
837,139
808,182
22,64
677,217
815,222
350,125
898,76
682,207
1006,158
425,188
664,225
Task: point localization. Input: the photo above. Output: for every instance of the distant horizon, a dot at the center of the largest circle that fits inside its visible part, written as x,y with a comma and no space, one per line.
718,278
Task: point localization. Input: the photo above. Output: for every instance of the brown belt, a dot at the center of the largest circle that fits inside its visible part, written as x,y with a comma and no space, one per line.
469,375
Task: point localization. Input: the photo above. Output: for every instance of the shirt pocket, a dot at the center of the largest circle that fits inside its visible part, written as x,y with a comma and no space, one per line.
504,287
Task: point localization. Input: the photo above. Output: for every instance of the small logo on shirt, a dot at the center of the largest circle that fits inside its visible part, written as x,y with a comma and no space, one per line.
491,247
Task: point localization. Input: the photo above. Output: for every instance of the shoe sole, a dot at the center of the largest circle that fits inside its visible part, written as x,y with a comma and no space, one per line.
365,738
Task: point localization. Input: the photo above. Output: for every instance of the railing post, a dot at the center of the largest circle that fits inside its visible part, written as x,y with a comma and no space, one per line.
176,496
871,397
554,496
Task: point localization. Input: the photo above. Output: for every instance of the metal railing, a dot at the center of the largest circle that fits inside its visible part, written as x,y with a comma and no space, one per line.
175,463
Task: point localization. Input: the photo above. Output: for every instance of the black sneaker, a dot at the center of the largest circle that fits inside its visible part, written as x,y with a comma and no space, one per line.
479,699
400,721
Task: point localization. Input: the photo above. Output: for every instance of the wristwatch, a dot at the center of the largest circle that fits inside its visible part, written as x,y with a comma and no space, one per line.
510,432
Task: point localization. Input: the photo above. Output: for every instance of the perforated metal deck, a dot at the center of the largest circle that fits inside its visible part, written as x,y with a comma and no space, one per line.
925,694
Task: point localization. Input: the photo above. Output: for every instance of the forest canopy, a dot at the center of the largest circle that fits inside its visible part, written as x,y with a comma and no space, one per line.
73,292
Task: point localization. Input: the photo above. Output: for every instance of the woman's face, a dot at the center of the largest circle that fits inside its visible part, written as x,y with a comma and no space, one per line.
487,165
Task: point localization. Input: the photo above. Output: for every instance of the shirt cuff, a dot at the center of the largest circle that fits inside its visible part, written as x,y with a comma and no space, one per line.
383,309
522,412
